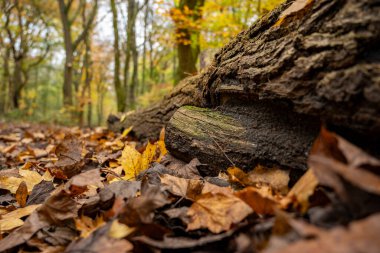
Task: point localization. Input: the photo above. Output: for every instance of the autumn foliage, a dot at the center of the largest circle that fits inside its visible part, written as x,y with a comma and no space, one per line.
80,189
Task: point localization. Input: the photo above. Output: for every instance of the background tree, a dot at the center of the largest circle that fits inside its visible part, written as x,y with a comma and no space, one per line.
69,14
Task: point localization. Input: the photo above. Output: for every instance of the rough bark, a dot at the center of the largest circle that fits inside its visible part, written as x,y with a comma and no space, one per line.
149,122
242,136
322,60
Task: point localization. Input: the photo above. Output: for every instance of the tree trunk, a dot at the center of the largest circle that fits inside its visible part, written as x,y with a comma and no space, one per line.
120,91
269,88
69,56
188,47
17,82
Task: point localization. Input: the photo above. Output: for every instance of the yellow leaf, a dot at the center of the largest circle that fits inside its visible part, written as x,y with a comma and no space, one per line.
131,162
161,145
126,131
119,230
12,219
217,212
31,178
87,225
47,176
148,156
301,191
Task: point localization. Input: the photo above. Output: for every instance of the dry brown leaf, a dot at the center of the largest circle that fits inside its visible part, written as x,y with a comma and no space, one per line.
22,194
301,191
190,188
294,8
359,236
275,178
70,162
217,212
260,200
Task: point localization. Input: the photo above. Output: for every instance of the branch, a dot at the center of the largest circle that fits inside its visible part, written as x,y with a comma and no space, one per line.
87,27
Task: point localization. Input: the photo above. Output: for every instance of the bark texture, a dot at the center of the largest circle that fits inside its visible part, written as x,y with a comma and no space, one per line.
149,122
322,60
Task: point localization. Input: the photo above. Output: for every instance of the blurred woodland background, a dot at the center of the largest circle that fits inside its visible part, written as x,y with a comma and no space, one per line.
75,61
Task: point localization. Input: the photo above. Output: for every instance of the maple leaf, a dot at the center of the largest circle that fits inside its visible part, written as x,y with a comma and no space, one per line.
217,212
131,162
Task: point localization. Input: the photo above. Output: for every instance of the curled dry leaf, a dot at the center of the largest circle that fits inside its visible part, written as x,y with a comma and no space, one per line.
69,153
80,183
333,159
277,179
22,194
217,212
190,188
300,193
262,201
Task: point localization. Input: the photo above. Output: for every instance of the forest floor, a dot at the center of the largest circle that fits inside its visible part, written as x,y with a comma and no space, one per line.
92,190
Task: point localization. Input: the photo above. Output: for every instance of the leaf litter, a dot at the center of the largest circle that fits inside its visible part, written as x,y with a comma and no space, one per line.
70,189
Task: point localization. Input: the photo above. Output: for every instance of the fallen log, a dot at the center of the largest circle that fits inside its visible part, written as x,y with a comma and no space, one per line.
242,136
316,61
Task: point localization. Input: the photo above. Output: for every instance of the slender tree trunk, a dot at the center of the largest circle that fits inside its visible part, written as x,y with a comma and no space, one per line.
120,91
17,82
69,57
146,16
131,52
6,82
188,43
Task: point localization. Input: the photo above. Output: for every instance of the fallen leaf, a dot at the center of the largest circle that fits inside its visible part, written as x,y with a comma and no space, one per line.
260,200
217,212
275,178
140,210
131,162
22,194
359,236
70,162
294,8
126,131
31,178
86,225
119,230
300,193
12,219
148,156
190,188
100,242
88,179
40,192
161,145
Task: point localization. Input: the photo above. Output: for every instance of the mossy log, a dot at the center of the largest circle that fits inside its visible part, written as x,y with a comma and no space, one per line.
321,60
242,136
